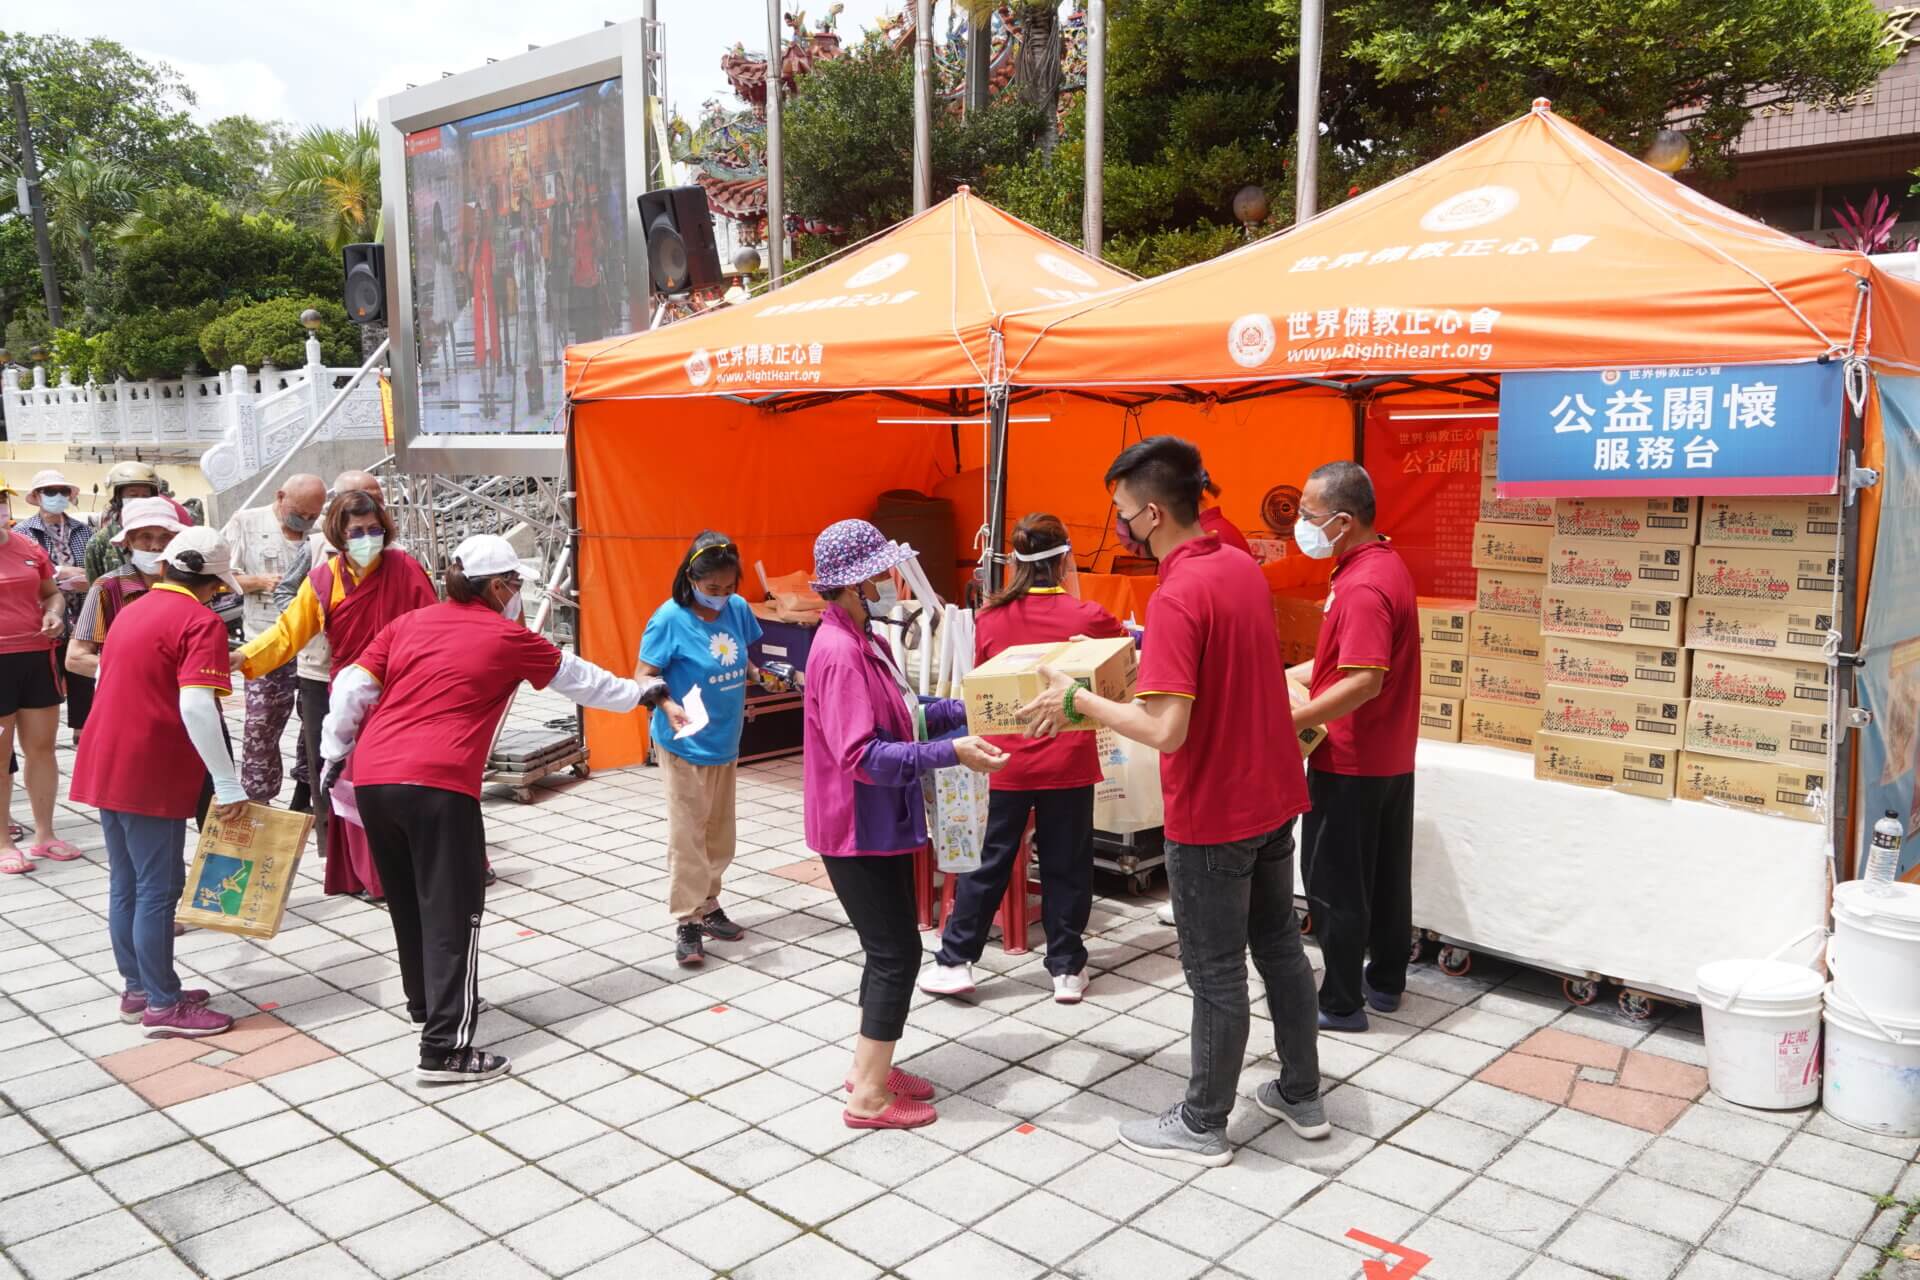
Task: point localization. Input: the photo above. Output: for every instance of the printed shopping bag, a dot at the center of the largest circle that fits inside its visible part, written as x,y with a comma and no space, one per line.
1128,797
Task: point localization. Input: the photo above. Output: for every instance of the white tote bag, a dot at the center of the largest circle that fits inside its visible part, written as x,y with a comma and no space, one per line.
1128,797
956,797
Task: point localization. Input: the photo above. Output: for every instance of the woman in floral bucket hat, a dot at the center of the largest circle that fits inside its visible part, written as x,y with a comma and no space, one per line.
865,814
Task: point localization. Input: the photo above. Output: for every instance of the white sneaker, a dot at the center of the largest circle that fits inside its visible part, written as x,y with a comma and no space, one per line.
947,979
1069,987
1165,913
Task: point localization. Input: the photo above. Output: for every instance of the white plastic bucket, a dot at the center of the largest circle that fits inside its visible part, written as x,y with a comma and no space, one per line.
1873,1069
1875,951
1762,1021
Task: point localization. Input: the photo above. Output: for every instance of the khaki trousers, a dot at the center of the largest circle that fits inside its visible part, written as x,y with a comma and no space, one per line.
700,836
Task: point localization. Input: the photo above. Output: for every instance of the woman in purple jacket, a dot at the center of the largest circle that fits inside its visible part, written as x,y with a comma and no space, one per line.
864,808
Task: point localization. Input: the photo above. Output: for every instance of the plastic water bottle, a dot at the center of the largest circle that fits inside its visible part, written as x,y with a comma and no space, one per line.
1883,856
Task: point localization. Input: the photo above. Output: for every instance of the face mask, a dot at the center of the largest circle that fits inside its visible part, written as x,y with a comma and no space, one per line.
362,550
147,562
511,610
1312,539
715,603
889,597
297,522
1124,529
54,503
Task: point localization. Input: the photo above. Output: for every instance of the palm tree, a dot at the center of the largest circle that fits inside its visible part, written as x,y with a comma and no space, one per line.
83,195
331,177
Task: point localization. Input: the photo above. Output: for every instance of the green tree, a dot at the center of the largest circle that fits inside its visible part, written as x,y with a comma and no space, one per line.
244,152
849,140
271,333
203,250
330,180
1423,78
98,93
87,197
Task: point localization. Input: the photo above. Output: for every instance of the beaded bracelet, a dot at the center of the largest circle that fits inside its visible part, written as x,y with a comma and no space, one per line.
1073,717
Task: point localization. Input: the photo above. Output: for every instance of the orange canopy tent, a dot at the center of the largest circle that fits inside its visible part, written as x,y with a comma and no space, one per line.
772,419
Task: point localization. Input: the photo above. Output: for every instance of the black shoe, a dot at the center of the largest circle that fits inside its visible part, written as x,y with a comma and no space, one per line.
462,1066
420,1019
491,876
721,929
302,801
687,948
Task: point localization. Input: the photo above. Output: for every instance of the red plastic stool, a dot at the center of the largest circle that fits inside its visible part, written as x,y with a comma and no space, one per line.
1016,915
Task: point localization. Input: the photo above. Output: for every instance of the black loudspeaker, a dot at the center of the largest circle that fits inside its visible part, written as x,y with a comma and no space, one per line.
681,256
366,286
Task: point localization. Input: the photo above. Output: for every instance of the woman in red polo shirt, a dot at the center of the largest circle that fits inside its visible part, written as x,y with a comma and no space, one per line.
33,614
1050,780
431,689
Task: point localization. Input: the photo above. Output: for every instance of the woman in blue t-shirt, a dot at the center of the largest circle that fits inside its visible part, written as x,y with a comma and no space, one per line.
698,640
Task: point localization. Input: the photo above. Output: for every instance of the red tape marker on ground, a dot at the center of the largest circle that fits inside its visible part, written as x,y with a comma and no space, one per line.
1411,1260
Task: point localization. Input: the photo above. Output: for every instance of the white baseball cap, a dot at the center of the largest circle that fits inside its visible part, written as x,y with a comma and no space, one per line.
486,554
146,513
201,549
47,479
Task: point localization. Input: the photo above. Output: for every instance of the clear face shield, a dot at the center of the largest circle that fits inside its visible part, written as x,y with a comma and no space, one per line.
1068,573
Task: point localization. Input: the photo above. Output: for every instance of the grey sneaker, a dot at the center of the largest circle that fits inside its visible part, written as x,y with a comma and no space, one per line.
1168,1137
1308,1119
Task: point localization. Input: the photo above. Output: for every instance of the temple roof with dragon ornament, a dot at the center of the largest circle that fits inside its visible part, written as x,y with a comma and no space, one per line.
727,150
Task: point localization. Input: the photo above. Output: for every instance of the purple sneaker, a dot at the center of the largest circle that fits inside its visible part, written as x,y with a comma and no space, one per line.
184,1020
134,1003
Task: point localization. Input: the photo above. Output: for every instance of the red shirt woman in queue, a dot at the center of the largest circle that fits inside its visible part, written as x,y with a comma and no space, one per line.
33,614
418,708
350,596
1049,780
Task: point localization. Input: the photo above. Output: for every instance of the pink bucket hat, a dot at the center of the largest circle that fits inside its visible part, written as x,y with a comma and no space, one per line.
851,552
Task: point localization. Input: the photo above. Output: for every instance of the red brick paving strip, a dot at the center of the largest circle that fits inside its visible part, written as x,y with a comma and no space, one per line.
167,1072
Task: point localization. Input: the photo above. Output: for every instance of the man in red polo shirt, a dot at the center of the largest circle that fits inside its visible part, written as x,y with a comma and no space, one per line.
1364,681
1212,700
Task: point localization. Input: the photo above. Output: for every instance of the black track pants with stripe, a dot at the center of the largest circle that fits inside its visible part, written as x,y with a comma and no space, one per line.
431,849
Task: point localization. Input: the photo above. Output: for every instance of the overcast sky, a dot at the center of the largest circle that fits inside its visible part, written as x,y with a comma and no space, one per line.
317,63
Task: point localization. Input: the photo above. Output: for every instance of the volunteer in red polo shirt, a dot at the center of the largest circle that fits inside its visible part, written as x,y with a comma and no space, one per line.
1212,699
431,689
1048,780
1364,679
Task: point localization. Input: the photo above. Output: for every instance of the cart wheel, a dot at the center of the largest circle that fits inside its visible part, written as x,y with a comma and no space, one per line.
1306,924
583,771
1636,1006
1455,961
1580,991
1139,883
1418,951
523,794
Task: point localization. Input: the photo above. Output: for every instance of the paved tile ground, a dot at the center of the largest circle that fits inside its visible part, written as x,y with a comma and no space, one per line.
663,1124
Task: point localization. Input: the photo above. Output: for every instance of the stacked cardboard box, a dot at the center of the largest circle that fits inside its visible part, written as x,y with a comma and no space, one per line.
1510,543
1444,625
1766,584
1612,626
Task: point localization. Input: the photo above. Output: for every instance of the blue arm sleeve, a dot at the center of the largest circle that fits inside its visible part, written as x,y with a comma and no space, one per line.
895,764
945,716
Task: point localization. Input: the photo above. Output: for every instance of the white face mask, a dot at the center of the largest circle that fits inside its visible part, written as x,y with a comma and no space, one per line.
362,550
147,562
889,597
1312,538
511,610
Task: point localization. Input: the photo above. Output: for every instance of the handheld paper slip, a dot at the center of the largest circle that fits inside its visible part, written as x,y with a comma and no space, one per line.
242,872
696,708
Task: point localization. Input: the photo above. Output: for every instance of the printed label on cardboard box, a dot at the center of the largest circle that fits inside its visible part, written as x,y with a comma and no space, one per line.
1495,724
1440,718
1443,622
1806,524
1610,766
1623,668
996,689
1596,564
1777,631
1663,520
1613,717
1515,594
243,872
1762,682
1490,453
1495,509
1622,617
1444,673
1518,684
1763,575
1501,635
1518,547
1788,791
1753,733
1297,615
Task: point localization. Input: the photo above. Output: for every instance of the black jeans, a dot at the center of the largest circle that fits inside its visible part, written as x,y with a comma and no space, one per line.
431,850
311,699
1358,866
877,891
1063,846
1229,899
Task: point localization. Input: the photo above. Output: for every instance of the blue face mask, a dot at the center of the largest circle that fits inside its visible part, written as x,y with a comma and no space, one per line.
54,503
715,603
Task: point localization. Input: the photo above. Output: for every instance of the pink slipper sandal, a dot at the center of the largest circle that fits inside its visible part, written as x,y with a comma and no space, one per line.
55,851
904,1083
14,863
901,1113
